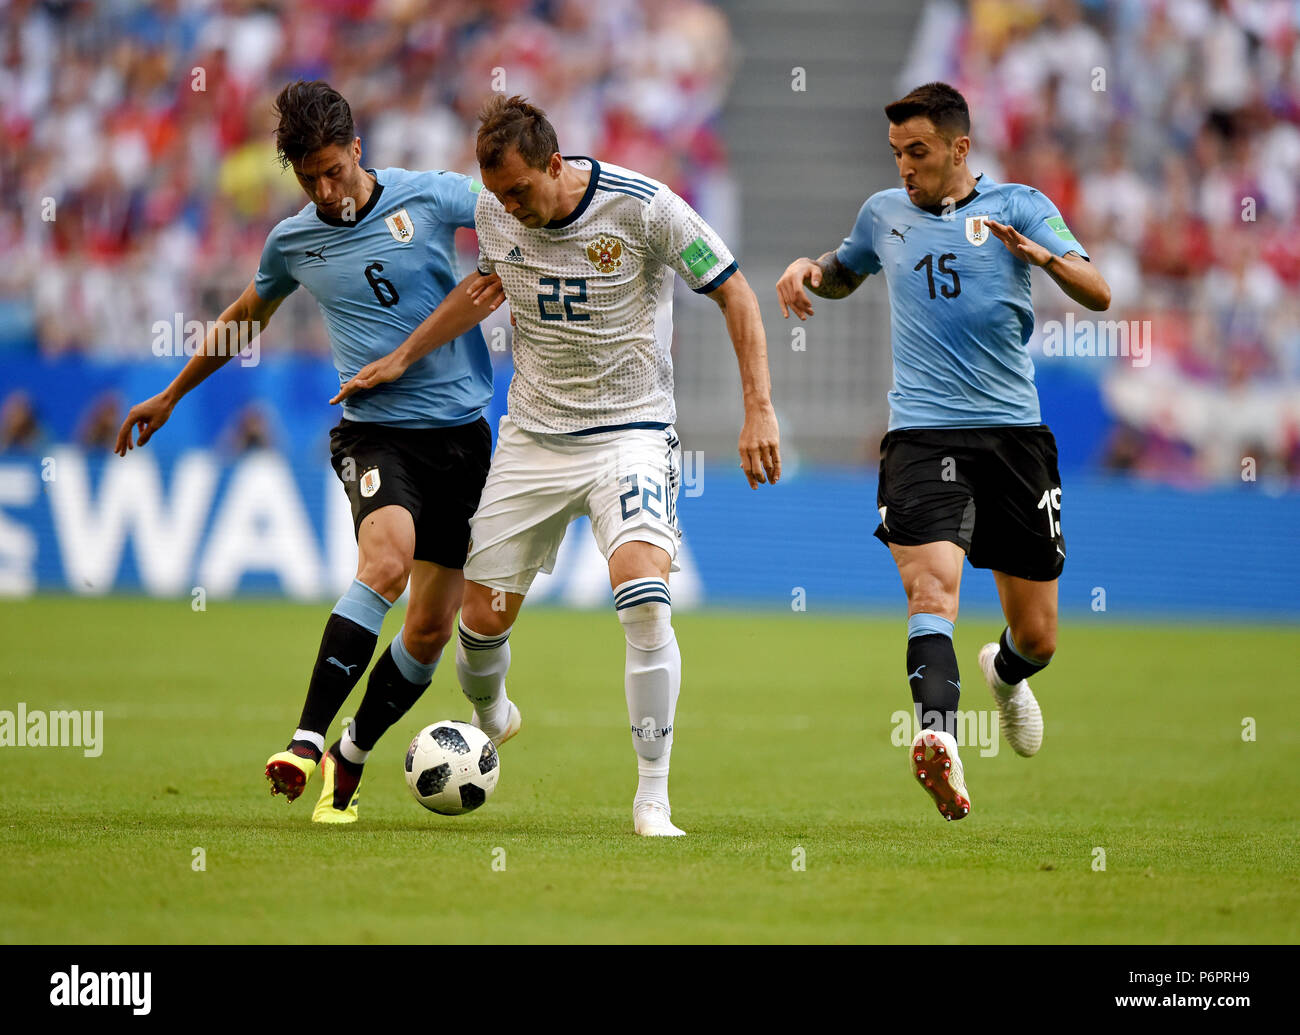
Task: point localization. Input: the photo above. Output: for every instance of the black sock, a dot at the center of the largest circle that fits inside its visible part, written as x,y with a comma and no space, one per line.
1010,666
389,696
345,651
936,684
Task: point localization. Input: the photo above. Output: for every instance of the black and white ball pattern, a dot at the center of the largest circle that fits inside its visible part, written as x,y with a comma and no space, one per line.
452,767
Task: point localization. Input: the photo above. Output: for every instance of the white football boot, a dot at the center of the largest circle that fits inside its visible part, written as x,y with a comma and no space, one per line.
512,725
1019,716
934,762
650,819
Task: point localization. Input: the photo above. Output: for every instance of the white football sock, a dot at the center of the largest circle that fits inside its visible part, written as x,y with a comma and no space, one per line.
652,680
348,747
481,666
311,737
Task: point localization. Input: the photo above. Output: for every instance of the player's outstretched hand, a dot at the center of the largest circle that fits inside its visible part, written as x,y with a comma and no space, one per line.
487,291
760,447
381,371
790,288
149,415
1019,245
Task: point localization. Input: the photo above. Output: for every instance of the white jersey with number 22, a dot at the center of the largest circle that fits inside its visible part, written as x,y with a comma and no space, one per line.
591,296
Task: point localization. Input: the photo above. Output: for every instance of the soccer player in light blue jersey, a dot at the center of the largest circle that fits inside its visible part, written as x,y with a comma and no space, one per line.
967,467
375,248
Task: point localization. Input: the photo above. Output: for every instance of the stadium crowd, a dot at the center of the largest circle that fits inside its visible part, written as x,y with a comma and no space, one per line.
141,179
1168,133
141,173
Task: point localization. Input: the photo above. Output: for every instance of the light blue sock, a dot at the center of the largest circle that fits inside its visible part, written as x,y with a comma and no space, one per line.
363,605
413,671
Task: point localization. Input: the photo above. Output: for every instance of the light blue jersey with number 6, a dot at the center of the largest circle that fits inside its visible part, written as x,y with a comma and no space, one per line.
375,279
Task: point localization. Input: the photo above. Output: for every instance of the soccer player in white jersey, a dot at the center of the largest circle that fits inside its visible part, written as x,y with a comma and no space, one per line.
586,252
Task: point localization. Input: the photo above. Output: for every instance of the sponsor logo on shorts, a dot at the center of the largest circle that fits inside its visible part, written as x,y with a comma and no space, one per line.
370,482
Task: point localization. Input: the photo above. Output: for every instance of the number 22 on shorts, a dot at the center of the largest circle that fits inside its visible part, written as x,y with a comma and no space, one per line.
650,491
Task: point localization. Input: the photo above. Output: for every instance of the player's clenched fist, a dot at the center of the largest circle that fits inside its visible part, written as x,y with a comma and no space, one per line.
150,415
760,448
790,288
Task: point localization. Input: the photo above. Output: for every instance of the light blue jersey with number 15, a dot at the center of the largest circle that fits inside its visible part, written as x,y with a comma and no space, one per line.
960,308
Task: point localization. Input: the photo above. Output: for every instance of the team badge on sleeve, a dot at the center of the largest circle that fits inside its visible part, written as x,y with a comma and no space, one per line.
370,482
606,253
400,226
1057,225
977,230
699,258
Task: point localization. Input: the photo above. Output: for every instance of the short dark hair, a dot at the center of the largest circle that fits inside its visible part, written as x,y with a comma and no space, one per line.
506,122
939,103
312,116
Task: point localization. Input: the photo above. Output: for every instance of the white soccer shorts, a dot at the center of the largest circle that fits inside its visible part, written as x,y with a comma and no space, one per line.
625,481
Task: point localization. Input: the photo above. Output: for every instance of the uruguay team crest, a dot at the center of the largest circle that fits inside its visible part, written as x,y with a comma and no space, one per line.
977,229
400,226
370,482
606,253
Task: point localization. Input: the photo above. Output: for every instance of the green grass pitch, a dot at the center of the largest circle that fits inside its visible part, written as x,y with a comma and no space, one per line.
783,753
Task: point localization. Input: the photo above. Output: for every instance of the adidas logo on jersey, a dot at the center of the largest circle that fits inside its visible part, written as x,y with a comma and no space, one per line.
514,255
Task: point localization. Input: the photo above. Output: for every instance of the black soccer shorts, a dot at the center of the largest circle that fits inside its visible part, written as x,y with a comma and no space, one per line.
435,473
995,492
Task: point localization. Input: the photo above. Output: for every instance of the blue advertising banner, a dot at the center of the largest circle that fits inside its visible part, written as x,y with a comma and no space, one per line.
267,522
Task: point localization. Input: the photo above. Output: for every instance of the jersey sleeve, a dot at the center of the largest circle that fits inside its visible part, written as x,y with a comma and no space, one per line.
679,237
273,277
858,251
456,197
483,222
1034,215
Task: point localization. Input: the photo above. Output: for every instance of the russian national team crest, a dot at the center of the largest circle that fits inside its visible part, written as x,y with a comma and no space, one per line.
977,229
400,226
370,482
606,253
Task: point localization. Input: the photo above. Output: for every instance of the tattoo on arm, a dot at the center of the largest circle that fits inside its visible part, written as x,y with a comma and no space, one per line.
838,280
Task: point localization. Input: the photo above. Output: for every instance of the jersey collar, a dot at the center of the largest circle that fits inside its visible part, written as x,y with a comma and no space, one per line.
938,210
362,213
558,224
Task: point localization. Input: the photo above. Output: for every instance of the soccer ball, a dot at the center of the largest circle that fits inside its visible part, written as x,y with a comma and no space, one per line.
452,767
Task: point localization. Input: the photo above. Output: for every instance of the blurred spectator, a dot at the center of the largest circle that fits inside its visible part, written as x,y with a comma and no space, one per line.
250,430
1168,133
144,180
99,426
20,427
